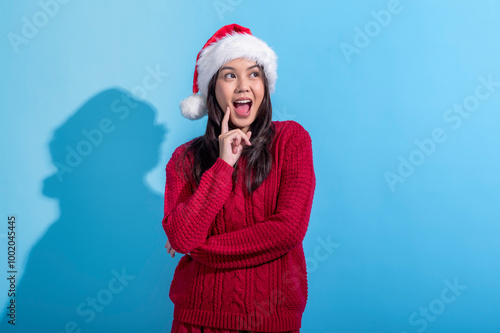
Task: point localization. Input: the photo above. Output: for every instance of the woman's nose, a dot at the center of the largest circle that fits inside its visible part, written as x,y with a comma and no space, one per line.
242,85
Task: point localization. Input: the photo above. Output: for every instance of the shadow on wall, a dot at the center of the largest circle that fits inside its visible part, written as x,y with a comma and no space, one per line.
102,266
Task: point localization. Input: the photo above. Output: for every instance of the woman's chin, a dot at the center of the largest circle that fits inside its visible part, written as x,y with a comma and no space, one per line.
242,124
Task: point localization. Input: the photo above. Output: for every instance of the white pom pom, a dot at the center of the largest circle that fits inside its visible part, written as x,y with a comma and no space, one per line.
194,107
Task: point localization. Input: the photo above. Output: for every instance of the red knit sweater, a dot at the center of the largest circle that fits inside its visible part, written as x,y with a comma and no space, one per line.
244,267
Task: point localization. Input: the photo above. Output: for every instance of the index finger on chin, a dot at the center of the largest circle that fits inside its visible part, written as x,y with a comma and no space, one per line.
225,120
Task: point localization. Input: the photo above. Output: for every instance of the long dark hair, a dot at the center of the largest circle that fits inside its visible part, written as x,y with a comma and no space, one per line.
205,148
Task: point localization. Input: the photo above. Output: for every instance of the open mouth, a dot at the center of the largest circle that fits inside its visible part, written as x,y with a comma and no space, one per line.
242,106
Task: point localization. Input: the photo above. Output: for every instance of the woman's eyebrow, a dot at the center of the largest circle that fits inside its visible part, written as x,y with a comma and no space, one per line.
232,68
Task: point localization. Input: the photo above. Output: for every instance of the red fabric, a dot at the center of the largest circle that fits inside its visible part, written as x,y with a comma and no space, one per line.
180,327
221,33
244,266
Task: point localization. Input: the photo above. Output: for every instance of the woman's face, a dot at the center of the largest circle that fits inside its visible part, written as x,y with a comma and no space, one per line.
240,86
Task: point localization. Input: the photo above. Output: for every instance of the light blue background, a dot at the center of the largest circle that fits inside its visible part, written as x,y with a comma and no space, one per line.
394,249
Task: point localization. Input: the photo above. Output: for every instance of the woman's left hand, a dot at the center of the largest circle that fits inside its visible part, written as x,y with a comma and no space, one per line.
170,249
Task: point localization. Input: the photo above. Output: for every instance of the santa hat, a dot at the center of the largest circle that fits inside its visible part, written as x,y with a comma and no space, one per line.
228,43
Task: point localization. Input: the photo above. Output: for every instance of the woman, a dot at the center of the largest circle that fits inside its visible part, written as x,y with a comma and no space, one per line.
238,198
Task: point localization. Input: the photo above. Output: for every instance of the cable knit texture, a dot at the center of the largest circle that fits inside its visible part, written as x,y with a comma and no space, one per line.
244,266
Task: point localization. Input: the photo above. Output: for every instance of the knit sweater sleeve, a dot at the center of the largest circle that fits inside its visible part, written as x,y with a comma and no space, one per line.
280,232
188,215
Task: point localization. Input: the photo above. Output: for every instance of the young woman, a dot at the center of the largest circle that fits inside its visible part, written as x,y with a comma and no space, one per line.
238,199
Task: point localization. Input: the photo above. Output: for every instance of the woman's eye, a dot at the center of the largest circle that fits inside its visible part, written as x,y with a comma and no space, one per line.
229,76
255,74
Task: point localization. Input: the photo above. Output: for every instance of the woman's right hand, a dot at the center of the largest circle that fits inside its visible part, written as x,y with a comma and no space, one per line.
231,142
170,250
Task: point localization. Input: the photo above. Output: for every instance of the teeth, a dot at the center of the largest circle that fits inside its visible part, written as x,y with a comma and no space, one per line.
243,101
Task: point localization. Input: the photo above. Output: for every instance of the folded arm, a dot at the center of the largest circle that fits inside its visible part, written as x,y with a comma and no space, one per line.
189,215
280,232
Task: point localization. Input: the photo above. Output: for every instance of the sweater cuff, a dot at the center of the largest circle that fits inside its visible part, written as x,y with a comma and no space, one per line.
221,166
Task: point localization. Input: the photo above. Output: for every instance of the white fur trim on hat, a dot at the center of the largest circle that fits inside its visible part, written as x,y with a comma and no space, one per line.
236,45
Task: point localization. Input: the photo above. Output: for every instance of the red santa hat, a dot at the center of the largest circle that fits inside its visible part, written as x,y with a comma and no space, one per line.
229,42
